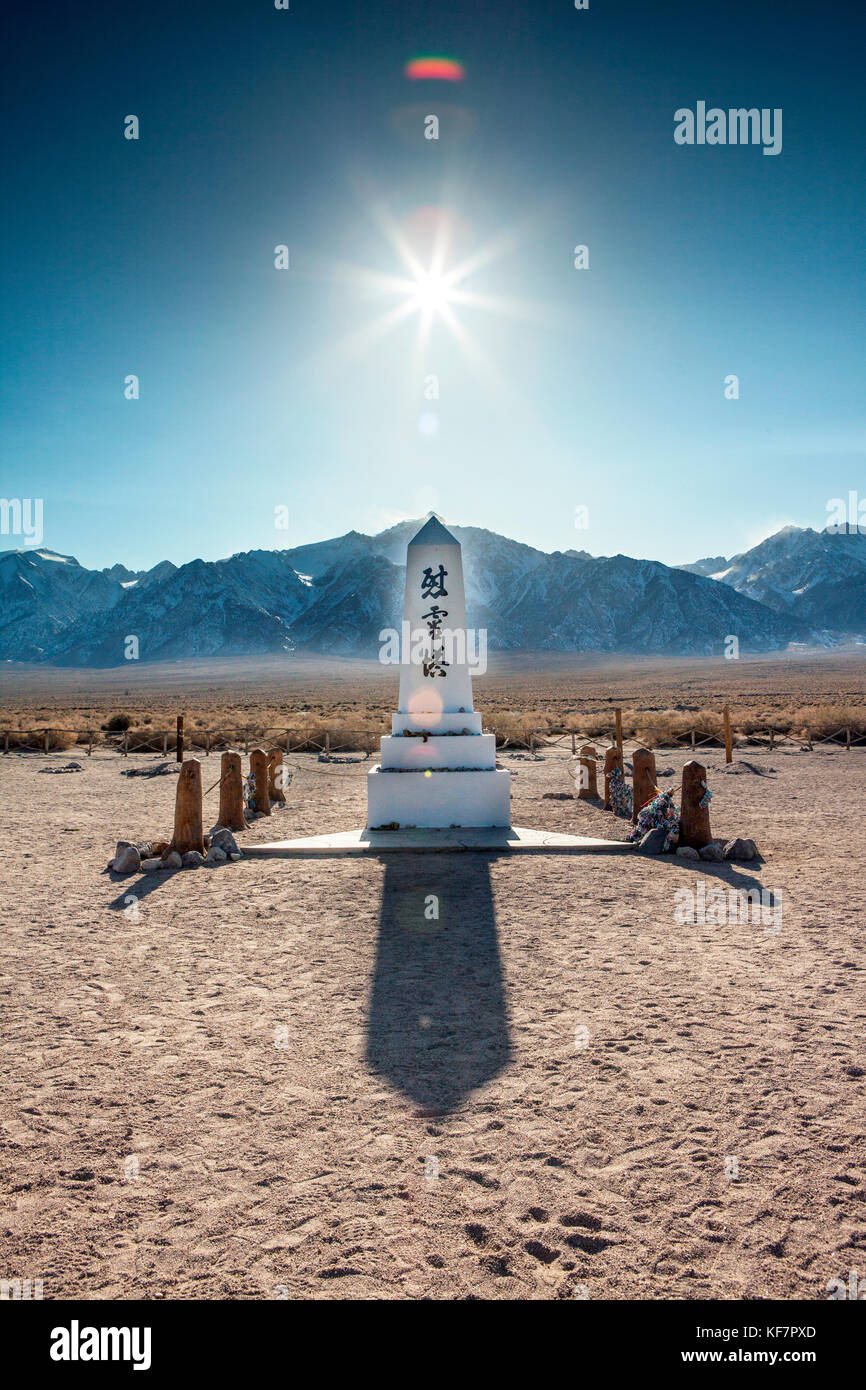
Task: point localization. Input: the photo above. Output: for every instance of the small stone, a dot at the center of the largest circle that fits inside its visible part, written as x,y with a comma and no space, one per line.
238,854
714,851
150,866
686,852
653,842
172,861
127,859
223,839
192,859
215,855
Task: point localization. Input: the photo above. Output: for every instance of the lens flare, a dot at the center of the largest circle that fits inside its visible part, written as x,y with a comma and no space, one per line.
432,69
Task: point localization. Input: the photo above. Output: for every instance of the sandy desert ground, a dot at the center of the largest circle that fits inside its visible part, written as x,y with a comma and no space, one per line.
280,1079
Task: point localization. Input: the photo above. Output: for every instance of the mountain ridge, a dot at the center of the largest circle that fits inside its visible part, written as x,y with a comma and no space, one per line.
335,596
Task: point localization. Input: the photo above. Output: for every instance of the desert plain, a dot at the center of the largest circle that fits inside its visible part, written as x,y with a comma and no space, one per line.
295,1079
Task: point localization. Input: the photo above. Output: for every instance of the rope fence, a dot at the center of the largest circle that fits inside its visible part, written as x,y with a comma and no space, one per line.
327,743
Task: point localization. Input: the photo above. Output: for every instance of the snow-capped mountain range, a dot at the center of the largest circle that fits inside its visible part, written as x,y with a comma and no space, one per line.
820,576
335,596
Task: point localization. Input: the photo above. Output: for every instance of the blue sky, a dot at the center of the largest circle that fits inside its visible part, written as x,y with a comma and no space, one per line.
601,388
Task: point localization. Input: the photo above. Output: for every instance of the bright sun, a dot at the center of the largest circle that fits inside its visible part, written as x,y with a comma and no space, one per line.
431,293
433,288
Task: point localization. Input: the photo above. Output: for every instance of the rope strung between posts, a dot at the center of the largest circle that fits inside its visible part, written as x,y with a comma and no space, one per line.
249,780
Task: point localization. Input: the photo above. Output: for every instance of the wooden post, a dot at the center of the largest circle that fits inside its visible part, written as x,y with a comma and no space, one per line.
47,740
588,774
729,743
694,818
259,769
288,741
644,786
275,776
772,737
532,745
618,716
693,740
165,745
188,831
90,743
612,759
126,744
327,744
180,738
232,792
572,743
848,738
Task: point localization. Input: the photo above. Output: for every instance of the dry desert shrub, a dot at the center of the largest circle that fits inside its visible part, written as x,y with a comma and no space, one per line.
823,721
59,740
670,728
144,740
597,725
516,728
117,724
759,723
309,737
250,733
89,736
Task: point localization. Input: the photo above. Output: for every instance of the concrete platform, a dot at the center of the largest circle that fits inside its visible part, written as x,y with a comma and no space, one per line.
450,751
509,839
445,799
439,722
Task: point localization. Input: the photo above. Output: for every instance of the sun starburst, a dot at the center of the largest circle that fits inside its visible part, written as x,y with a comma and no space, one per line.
434,286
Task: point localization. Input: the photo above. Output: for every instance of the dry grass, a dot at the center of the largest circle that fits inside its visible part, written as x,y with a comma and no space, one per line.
669,727
520,695
822,721
58,740
516,728
310,731
312,735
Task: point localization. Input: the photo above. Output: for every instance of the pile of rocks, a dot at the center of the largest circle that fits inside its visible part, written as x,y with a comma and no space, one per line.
148,857
716,851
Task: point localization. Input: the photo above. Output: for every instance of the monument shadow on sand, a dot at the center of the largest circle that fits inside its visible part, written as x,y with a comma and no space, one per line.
438,1026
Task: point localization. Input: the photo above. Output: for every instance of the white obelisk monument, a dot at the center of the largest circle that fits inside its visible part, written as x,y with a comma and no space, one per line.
437,769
